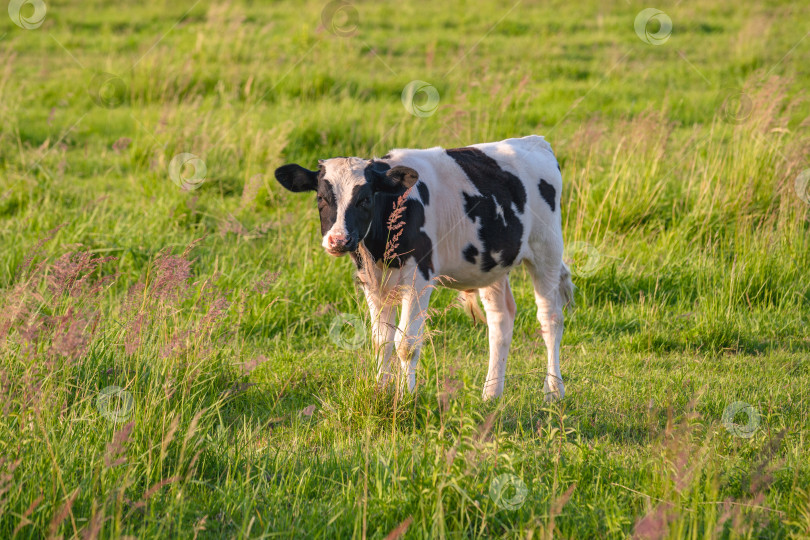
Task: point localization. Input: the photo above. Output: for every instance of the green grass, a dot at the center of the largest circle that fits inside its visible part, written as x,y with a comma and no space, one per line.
697,294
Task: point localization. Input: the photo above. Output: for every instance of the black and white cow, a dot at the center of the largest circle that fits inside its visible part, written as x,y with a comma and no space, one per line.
470,215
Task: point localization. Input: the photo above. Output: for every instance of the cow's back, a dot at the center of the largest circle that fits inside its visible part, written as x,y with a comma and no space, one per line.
483,203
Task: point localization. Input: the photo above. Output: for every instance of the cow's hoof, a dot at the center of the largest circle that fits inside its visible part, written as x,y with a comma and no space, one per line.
384,381
493,387
553,389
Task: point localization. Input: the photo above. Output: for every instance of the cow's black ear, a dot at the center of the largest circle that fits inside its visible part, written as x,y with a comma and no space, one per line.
390,180
296,178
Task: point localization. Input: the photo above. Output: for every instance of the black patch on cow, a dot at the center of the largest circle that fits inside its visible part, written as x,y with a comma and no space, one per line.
357,260
412,242
359,214
470,253
499,231
548,193
386,156
424,194
327,205
374,169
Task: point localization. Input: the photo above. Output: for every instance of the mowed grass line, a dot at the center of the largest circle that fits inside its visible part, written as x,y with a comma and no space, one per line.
167,368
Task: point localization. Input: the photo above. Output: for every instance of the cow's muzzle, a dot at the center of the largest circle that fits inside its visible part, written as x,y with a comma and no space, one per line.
339,244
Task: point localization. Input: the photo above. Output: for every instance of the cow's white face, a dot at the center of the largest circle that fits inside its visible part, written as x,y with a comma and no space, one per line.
346,189
345,199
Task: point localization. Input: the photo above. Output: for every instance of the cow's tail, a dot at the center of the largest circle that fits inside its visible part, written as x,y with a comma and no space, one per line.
469,300
566,287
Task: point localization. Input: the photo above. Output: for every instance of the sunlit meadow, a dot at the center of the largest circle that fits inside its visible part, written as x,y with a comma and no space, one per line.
180,358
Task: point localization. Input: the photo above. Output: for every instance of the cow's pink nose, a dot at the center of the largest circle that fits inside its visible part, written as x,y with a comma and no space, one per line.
336,240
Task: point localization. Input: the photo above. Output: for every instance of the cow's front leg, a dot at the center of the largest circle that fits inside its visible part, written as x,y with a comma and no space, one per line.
383,328
415,300
500,308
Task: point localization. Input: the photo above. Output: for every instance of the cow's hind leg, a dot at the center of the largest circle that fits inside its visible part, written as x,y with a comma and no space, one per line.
500,308
552,290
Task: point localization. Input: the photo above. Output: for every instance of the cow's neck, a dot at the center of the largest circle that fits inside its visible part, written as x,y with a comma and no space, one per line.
379,238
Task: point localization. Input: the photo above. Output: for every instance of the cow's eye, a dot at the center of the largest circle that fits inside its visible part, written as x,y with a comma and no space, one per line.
321,200
365,202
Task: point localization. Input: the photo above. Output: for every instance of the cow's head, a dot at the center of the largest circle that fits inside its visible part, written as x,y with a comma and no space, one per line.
346,189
